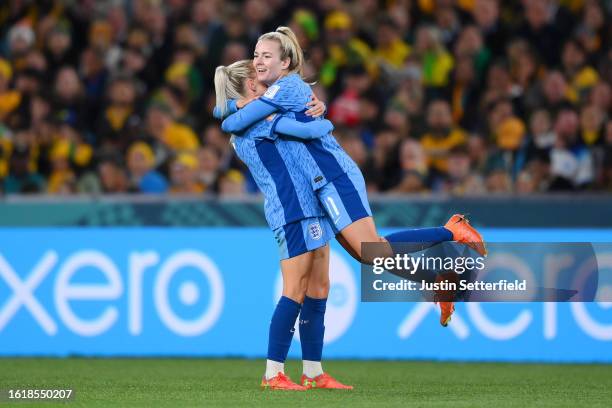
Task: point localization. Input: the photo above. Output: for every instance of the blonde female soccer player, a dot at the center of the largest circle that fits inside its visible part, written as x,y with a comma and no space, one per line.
336,179
333,176
293,212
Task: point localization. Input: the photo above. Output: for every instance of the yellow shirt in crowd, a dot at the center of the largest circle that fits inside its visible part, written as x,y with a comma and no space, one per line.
437,148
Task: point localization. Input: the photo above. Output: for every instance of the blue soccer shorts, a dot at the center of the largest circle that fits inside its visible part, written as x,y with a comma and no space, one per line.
302,236
345,200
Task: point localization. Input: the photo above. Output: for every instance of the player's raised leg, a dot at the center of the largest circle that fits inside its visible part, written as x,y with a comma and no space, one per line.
345,201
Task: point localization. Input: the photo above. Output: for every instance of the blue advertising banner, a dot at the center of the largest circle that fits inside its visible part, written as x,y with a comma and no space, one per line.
211,292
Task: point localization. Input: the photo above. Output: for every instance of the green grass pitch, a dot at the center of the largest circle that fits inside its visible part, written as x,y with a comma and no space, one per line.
230,383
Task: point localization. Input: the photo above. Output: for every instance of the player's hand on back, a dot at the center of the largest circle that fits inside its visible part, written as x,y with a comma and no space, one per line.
316,107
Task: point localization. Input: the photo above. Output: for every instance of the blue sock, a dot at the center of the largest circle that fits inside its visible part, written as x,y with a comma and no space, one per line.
425,235
312,328
281,329
415,240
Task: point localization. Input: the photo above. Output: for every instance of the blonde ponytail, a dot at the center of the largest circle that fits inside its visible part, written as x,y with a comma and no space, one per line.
230,82
221,81
289,48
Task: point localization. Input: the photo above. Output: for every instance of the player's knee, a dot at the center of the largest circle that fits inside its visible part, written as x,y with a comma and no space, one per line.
296,288
367,259
318,288
322,289
377,249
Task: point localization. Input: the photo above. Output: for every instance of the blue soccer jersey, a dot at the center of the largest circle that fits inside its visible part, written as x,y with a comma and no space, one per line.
288,195
321,160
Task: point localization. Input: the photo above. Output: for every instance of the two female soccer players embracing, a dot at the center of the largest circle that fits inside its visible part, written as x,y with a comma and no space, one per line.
313,192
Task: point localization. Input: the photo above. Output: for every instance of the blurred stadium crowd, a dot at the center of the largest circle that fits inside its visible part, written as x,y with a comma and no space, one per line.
462,97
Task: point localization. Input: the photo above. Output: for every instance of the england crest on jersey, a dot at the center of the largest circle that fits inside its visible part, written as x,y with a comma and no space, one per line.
315,230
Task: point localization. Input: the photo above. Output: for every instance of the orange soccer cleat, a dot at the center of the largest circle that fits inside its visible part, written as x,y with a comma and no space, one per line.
446,311
445,297
464,233
280,382
324,381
